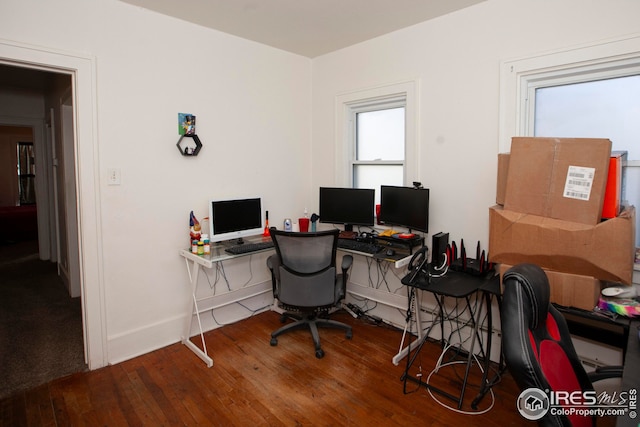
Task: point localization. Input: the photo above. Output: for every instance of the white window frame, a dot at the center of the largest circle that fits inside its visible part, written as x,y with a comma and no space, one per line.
373,99
367,106
519,79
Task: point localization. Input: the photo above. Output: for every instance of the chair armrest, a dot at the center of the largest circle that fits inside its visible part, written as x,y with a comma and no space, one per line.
604,372
273,262
347,260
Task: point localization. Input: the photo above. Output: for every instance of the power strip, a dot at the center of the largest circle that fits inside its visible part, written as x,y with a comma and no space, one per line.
357,313
354,310
348,309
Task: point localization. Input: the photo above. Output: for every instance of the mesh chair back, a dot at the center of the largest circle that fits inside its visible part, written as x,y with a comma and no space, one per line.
307,267
306,253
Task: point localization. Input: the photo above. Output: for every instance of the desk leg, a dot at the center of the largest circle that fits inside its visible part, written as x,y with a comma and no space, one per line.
475,315
201,353
475,318
487,383
412,311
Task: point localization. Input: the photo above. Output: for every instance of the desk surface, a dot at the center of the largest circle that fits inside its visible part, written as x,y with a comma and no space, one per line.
454,284
218,252
596,326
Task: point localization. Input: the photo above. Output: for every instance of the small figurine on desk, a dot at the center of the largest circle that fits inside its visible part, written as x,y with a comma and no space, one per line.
266,232
194,228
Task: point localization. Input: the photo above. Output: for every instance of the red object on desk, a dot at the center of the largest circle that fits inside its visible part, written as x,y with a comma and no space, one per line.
406,235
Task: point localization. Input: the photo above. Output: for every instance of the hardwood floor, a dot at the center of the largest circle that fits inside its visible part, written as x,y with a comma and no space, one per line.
254,384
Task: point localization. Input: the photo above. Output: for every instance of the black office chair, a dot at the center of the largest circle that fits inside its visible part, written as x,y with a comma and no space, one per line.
305,280
538,349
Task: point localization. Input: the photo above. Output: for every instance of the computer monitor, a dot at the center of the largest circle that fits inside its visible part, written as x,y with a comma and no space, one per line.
347,206
234,219
405,207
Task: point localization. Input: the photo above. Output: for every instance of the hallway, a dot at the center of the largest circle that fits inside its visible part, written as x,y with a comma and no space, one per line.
40,325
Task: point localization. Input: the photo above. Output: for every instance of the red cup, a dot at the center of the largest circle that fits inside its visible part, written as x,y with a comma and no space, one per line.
304,224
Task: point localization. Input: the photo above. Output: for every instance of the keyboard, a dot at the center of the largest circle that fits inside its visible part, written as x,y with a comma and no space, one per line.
354,245
246,248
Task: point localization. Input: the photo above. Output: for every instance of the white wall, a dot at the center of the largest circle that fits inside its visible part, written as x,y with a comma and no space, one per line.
456,59
253,108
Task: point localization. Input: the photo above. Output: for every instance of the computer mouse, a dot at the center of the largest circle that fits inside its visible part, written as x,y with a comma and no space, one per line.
390,252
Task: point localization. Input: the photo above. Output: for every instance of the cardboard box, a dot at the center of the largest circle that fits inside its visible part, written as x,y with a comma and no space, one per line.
613,192
604,251
561,178
501,182
569,290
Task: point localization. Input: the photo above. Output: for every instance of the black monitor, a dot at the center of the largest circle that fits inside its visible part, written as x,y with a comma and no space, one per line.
235,218
347,206
405,207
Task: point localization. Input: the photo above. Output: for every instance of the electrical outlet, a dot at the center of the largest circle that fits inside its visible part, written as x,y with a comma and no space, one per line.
113,176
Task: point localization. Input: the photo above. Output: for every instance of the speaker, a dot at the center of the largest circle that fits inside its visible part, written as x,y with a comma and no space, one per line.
439,244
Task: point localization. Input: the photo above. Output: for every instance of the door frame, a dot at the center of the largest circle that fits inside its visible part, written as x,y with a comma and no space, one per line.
82,69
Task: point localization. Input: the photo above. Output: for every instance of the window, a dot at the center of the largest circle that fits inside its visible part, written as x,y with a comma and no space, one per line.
591,91
377,137
607,108
379,143
601,108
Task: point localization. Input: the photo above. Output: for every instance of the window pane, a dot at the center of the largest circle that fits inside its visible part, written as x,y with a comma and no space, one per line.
373,176
598,109
380,135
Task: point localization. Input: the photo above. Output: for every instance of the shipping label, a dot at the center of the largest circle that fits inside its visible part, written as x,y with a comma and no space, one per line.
579,182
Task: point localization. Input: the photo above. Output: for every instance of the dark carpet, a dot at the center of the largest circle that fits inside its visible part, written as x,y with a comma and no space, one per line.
40,325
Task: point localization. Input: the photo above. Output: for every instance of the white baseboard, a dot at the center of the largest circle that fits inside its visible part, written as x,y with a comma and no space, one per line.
136,342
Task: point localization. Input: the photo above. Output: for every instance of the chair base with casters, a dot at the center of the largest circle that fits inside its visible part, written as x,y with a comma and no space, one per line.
313,321
306,283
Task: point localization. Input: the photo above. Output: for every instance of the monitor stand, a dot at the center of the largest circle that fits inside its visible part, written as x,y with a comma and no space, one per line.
348,234
234,242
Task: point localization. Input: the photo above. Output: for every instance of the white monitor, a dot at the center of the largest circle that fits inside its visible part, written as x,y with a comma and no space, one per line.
233,219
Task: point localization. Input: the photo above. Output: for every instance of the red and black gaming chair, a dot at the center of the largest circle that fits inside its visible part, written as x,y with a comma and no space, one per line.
537,345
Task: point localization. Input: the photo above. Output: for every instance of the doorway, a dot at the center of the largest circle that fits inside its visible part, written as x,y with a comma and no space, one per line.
82,69
41,300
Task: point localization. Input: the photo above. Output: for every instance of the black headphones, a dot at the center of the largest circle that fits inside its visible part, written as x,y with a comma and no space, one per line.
418,263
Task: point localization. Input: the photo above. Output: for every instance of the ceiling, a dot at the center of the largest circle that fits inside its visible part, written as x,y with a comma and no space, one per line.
305,27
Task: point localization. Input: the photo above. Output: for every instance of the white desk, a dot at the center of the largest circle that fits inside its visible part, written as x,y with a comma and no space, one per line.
218,254
193,263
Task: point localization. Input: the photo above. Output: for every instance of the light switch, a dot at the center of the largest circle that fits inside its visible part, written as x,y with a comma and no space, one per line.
113,177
